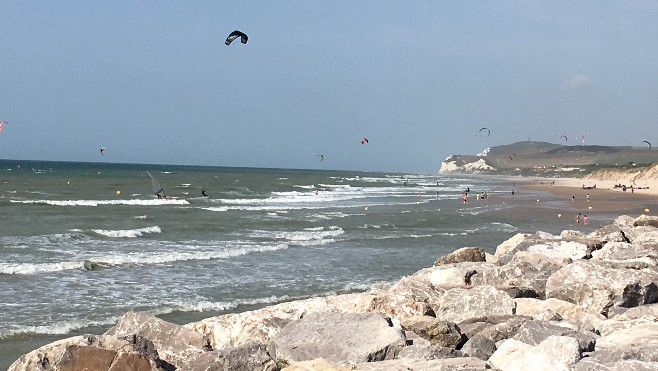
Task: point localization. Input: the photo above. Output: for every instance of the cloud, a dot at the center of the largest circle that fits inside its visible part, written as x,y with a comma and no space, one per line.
578,81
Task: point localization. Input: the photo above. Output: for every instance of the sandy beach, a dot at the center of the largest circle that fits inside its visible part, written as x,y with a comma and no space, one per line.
597,198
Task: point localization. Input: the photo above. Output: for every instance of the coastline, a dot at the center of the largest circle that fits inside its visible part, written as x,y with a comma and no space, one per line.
574,300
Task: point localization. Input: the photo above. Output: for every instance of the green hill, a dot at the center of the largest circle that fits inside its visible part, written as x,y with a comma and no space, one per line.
543,158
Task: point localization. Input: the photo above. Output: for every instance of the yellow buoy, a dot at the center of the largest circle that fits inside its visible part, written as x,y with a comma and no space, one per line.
589,207
646,210
559,215
118,193
366,208
68,182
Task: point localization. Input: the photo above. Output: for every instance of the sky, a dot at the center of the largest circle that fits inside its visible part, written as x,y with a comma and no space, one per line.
153,81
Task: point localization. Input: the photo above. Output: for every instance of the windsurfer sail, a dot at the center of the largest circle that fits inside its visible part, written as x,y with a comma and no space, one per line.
158,190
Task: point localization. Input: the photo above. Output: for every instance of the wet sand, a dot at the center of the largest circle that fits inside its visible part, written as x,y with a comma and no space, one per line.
604,203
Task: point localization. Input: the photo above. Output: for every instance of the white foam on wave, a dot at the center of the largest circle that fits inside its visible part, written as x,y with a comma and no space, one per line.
143,258
127,233
503,227
58,328
104,202
34,268
305,237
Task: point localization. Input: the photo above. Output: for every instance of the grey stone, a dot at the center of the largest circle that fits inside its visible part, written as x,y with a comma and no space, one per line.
253,356
351,337
174,343
437,332
533,332
465,254
459,304
480,347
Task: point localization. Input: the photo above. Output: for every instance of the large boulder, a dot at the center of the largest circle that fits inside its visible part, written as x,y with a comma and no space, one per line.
480,347
623,251
253,356
496,328
465,254
437,332
336,337
405,364
599,285
526,269
91,352
556,353
459,304
453,275
637,342
174,343
648,310
646,221
542,309
534,332
593,363
235,329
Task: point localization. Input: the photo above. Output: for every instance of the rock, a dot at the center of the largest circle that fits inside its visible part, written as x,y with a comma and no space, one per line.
624,222
609,326
566,310
525,270
452,275
174,343
406,364
510,244
247,357
598,285
91,352
437,332
480,347
317,364
637,342
620,251
646,221
351,337
497,328
410,296
428,352
647,310
554,353
591,363
459,304
235,329
465,254
533,332
642,236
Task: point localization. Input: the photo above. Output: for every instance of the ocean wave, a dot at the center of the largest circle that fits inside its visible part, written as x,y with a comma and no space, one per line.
313,235
127,233
152,202
142,258
58,328
34,268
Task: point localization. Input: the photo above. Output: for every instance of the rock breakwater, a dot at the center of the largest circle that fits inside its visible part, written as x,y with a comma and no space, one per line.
572,301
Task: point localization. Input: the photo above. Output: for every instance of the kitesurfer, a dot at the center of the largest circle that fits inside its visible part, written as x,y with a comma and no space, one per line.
203,192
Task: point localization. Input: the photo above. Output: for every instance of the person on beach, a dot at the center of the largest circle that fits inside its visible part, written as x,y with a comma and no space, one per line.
578,218
477,196
588,197
464,197
585,220
512,192
573,198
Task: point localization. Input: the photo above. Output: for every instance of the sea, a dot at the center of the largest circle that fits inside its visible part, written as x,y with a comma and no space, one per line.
83,243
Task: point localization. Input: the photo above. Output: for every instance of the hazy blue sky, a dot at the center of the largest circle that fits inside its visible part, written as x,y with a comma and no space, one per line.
154,83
